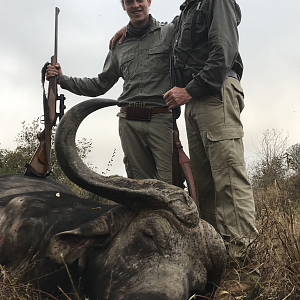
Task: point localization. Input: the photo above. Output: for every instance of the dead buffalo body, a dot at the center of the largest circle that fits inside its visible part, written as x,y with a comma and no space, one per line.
152,246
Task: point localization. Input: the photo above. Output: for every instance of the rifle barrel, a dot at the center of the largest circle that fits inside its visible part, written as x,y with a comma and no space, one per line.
57,10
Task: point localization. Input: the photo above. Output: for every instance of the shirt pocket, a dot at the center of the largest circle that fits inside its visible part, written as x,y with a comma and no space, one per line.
126,65
158,59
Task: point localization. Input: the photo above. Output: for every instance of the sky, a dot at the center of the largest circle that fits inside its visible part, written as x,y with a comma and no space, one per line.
269,45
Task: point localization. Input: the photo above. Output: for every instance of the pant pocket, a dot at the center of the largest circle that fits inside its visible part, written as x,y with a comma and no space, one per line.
225,148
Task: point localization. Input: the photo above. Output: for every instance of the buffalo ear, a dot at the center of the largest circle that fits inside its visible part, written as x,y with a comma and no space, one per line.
68,246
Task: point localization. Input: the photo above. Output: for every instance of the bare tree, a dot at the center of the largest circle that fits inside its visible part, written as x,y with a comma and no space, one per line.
271,164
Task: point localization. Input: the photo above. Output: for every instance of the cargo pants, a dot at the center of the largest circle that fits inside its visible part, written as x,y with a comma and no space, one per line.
216,150
147,147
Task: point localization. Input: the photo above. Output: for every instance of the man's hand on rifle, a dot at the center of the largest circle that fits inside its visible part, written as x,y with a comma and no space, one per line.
54,71
177,97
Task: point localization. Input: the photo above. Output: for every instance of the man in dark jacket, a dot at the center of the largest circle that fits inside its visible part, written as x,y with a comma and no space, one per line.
206,53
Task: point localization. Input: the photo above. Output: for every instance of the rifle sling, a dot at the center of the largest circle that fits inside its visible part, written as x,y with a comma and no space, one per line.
184,161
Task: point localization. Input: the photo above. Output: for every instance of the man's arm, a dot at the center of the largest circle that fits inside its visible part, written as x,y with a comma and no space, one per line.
91,87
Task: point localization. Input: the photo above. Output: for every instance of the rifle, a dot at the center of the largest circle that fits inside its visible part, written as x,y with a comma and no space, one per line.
40,163
181,170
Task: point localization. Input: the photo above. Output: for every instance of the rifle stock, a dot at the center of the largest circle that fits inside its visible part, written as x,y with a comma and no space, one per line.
41,160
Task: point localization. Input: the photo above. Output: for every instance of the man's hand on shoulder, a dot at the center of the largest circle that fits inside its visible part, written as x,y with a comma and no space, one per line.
121,34
176,97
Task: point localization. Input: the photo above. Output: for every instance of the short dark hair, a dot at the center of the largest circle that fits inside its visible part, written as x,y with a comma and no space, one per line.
123,2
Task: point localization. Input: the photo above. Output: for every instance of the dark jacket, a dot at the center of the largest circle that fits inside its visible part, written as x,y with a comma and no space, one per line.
215,51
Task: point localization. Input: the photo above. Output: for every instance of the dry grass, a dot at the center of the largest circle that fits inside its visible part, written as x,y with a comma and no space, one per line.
277,254
277,249
10,289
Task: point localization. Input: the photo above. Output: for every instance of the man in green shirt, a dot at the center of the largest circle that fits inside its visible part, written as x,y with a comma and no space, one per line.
145,122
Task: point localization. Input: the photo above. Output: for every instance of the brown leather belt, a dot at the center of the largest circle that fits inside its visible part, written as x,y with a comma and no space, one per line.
154,110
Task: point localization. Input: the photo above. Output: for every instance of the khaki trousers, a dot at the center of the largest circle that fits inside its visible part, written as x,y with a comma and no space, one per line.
216,150
147,147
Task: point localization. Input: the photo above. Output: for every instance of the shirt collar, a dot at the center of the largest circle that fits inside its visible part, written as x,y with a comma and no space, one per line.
184,5
154,26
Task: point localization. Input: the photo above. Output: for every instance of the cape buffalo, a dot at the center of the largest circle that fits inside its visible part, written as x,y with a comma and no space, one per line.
152,246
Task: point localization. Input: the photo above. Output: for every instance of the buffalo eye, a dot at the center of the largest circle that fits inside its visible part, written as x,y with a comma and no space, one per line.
143,243
148,238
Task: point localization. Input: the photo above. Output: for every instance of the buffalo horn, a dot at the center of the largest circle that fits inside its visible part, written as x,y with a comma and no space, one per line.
136,194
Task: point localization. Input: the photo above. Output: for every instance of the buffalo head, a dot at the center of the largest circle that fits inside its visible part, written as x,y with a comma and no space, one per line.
158,249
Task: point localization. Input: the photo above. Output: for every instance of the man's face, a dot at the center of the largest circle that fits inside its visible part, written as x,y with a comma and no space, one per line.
138,12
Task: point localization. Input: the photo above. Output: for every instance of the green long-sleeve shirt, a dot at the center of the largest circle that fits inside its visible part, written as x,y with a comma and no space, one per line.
143,63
